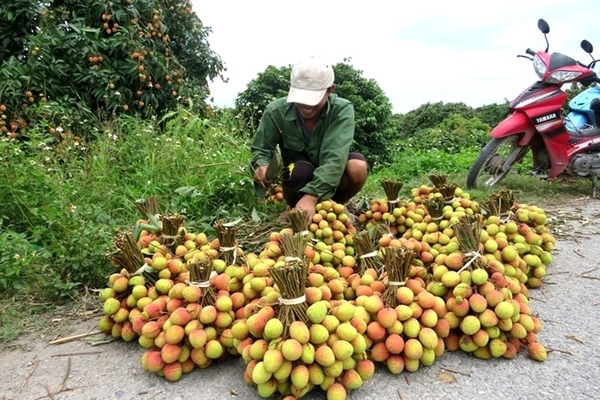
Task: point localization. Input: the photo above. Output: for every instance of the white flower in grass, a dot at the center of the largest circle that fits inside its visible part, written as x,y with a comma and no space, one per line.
17,256
72,208
47,159
33,162
59,130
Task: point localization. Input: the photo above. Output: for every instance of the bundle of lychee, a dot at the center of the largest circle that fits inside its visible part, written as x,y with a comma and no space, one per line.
287,346
402,324
327,352
191,325
517,235
487,311
412,216
330,232
184,314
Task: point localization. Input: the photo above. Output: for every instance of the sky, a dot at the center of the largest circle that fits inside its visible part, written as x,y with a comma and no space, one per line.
418,52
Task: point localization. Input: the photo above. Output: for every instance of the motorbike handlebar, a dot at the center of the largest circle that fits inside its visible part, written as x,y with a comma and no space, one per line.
530,52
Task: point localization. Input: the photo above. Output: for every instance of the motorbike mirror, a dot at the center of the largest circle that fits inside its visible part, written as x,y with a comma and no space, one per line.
587,46
543,26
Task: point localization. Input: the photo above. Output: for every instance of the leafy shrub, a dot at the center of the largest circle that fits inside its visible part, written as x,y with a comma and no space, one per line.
429,115
452,135
69,196
18,262
142,57
493,114
421,162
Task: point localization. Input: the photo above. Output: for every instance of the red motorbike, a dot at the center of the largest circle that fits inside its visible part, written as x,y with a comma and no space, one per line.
537,123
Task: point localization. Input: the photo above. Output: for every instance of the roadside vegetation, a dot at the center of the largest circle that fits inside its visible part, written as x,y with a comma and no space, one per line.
73,161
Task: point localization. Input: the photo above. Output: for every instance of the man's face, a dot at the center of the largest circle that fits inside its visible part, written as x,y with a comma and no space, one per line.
308,112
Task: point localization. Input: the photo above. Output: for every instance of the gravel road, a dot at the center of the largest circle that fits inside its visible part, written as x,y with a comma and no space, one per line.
567,303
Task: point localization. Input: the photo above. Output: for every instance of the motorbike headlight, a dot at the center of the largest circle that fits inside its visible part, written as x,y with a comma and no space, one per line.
539,66
562,76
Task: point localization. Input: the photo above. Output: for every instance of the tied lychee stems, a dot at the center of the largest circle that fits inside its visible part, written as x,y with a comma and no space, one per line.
170,235
298,219
205,284
291,282
148,205
468,233
291,302
382,229
128,256
391,188
499,203
397,263
200,271
437,179
292,246
366,252
369,255
144,268
227,242
435,207
447,191
475,256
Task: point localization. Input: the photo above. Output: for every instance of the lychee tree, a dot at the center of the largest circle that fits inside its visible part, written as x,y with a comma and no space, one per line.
122,56
374,129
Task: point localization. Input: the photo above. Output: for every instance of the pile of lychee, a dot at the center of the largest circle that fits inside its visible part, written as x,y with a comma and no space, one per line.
449,298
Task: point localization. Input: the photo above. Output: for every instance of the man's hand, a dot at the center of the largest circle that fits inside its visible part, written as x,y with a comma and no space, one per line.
260,175
308,203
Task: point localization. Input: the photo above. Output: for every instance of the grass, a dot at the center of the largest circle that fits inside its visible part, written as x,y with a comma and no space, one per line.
64,200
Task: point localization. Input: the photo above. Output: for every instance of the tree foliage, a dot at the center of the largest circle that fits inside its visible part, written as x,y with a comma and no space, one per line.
452,135
374,128
122,56
431,115
493,114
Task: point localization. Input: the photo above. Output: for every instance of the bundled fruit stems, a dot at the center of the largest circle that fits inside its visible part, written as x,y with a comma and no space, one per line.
366,253
435,207
499,203
299,220
468,233
227,242
397,262
170,230
200,271
128,256
291,281
391,188
147,206
443,187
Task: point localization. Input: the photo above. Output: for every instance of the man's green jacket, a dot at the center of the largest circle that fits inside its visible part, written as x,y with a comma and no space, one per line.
327,149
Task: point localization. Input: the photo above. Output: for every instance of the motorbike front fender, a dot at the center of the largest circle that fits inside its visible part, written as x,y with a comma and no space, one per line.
516,123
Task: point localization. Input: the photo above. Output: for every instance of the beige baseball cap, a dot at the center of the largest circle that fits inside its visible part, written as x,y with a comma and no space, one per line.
309,80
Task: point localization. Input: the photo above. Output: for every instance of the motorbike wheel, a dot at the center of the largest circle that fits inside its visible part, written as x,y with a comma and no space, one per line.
495,161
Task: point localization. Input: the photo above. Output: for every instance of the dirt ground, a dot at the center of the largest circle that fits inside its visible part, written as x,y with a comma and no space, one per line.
81,369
